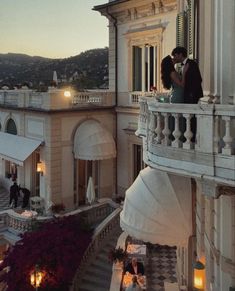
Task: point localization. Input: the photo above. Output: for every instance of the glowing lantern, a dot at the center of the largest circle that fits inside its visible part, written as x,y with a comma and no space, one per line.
199,275
36,277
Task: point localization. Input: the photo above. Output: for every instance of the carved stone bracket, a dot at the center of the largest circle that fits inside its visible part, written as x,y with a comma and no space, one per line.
209,188
212,189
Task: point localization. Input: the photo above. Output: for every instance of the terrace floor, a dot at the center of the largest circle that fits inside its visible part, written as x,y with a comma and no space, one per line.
160,267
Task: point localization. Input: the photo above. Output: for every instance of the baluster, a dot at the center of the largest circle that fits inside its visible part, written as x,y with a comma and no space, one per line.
166,131
188,133
217,148
152,126
227,150
158,130
177,133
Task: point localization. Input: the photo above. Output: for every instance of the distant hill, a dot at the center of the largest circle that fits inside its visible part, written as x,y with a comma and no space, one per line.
88,70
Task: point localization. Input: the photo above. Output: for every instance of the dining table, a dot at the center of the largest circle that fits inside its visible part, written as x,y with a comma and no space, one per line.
127,280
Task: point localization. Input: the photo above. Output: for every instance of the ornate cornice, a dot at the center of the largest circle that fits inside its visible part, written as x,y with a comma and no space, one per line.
129,11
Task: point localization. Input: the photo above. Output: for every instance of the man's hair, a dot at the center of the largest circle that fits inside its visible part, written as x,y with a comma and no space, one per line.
180,50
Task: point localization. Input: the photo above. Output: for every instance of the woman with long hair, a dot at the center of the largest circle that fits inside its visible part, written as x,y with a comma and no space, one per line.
171,79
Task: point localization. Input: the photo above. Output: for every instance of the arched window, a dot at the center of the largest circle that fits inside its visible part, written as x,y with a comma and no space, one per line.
11,168
11,127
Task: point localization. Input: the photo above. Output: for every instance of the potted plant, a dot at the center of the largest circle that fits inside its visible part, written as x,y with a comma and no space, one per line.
118,255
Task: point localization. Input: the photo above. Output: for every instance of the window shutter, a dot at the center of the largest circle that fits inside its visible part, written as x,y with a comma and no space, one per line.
190,25
181,29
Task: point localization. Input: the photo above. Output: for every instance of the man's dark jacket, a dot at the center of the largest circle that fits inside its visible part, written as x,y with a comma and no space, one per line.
192,87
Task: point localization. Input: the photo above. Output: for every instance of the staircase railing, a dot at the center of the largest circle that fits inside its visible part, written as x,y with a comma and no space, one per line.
9,218
102,232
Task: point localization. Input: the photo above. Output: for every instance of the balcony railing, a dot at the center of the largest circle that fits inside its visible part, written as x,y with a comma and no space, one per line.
135,96
171,141
54,99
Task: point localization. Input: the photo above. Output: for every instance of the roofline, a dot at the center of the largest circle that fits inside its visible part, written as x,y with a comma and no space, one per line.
100,7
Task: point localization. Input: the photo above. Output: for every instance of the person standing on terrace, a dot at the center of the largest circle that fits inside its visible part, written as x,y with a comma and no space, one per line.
192,77
171,79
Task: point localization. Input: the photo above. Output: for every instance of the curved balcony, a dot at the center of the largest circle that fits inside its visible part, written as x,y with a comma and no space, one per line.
168,139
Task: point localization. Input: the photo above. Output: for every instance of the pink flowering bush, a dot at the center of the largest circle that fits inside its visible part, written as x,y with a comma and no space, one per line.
57,247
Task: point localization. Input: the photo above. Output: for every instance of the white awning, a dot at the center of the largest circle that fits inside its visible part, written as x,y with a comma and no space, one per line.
157,208
93,142
17,148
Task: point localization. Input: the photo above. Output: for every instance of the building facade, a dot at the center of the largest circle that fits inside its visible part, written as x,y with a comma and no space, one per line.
141,34
71,138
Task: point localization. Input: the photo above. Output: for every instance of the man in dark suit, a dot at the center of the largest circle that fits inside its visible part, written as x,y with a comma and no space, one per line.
193,80
26,193
192,83
134,267
14,193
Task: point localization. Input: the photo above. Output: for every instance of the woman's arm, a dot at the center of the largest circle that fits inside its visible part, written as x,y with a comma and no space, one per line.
175,76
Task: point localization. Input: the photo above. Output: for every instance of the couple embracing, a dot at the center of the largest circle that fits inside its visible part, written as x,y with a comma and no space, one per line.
185,85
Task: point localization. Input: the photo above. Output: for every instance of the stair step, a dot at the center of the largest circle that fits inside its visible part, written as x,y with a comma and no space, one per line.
96,272
97,281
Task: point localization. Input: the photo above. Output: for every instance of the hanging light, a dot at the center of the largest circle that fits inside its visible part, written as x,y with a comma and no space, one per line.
199,275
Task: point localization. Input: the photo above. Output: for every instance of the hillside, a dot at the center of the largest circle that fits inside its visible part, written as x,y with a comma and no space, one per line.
87,70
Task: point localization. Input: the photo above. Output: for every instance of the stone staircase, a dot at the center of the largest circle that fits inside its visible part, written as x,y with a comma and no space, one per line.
4,198
98,274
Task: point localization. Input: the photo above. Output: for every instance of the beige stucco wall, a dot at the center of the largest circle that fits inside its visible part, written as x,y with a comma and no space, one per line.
57,131
215,238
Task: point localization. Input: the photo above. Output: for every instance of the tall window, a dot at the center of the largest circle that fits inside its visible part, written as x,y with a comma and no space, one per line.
11,168
187,28
138,160
144,67
83,170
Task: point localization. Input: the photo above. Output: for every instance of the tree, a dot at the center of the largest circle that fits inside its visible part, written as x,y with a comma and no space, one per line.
57,247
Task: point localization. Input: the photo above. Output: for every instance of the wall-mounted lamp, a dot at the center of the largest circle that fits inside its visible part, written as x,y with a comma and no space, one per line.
40,168
67,93
199,275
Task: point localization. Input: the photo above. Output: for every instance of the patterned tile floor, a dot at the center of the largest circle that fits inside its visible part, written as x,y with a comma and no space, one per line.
160,267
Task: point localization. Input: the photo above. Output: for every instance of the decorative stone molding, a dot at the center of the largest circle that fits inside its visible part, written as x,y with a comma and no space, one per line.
227,265
209,188
212,189
126,13
226,190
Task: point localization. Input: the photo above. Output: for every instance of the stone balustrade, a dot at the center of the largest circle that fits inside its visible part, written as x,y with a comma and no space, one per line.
171,141
135,97
55,99
101,234
90,214
12,219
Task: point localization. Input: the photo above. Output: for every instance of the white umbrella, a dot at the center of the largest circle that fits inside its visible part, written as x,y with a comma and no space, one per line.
90,192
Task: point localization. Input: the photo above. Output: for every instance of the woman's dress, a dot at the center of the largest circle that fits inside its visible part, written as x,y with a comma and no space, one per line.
177,93
177,96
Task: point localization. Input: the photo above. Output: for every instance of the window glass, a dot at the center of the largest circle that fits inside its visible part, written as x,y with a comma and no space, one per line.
11,127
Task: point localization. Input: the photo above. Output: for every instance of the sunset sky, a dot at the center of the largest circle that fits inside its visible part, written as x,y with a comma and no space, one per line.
51,28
